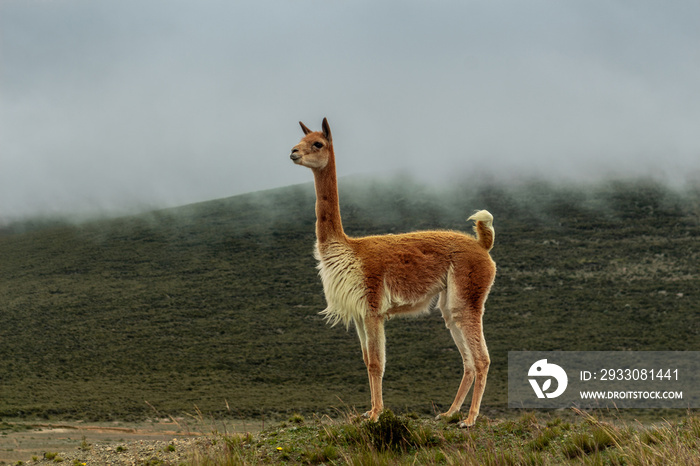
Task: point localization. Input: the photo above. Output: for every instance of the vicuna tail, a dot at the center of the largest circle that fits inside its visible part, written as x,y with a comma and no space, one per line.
483,228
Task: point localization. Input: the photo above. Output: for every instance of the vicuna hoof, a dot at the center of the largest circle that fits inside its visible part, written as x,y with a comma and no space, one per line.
466,424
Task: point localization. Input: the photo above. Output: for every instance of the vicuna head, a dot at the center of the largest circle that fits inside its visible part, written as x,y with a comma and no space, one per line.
315,149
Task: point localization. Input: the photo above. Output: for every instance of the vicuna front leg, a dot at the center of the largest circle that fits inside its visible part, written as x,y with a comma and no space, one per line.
362,335
373,352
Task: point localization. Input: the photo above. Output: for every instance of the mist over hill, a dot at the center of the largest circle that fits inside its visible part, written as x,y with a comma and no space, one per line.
215,305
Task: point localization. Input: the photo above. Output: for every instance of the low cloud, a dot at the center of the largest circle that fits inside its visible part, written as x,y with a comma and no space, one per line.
120,106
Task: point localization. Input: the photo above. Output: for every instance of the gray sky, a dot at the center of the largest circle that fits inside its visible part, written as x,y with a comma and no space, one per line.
107,106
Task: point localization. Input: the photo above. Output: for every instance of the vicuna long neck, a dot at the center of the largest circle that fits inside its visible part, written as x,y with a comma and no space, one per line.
329,226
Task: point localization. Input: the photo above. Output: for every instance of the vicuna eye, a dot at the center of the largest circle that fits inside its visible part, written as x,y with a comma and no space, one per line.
318,145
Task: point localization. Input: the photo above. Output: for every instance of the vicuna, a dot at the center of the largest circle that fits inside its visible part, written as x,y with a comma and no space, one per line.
368,280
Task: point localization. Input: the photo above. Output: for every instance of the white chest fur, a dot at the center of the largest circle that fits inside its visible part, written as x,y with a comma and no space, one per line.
343,283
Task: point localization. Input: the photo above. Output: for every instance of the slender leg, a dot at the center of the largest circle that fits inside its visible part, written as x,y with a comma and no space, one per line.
374,330
464,319
469,369
475,340
449,303
362,334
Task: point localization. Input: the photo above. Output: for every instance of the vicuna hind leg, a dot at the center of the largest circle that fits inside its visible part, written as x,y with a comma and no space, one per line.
474,335
464,351
465,325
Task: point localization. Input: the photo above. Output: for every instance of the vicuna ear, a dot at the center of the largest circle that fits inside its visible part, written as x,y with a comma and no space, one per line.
327,130
304,128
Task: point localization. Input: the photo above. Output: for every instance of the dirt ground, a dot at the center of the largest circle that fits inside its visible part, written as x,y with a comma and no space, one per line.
27,440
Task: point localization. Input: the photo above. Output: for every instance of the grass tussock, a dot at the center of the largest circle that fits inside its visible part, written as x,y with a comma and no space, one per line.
532,439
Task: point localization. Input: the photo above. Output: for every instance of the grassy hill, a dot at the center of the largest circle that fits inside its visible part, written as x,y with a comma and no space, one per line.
215,304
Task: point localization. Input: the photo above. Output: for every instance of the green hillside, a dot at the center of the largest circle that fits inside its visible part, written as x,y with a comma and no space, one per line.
216,304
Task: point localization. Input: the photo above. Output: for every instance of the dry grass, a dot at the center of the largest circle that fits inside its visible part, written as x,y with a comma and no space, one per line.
528,440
